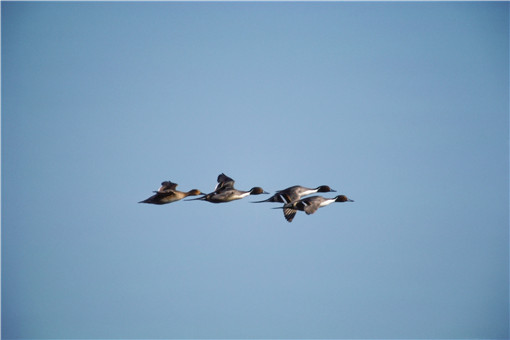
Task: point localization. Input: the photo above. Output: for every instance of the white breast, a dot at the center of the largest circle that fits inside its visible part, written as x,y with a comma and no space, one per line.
308,192
326,202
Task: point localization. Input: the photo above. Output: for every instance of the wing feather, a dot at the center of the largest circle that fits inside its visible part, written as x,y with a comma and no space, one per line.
289,213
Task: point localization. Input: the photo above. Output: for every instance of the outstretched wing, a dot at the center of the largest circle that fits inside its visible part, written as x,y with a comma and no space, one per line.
167,186
289,213
224,182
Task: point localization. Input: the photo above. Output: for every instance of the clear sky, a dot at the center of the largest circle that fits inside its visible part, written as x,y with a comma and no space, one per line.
401,106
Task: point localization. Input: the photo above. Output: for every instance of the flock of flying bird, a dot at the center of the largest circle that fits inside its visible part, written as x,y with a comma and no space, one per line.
225,192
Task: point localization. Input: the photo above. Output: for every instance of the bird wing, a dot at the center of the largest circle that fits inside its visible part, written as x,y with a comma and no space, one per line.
289,213
308,206
286,197
158,196
224,182
166,186
278,198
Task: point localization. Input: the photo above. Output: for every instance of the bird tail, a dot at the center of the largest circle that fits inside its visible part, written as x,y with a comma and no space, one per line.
268,200
276,199
202,198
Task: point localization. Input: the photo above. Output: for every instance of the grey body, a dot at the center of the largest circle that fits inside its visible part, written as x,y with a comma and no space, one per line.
310,205
225,191
294,193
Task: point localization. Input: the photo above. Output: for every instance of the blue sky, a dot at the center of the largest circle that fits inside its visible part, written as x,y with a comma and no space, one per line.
402,106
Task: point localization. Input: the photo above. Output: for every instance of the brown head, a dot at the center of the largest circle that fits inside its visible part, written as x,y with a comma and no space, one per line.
257,191
194,192
343,198
325,188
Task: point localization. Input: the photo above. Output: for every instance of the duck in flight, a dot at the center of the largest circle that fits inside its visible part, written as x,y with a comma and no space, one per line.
225,191
309,205
168,193
294,193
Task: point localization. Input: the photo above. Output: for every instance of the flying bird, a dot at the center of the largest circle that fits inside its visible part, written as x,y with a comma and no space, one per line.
294,193
225,191
167,193
224,182
309,205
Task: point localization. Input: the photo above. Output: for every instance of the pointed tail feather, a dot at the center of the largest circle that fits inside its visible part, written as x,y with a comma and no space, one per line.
202,198
268,200
280,198
151,200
